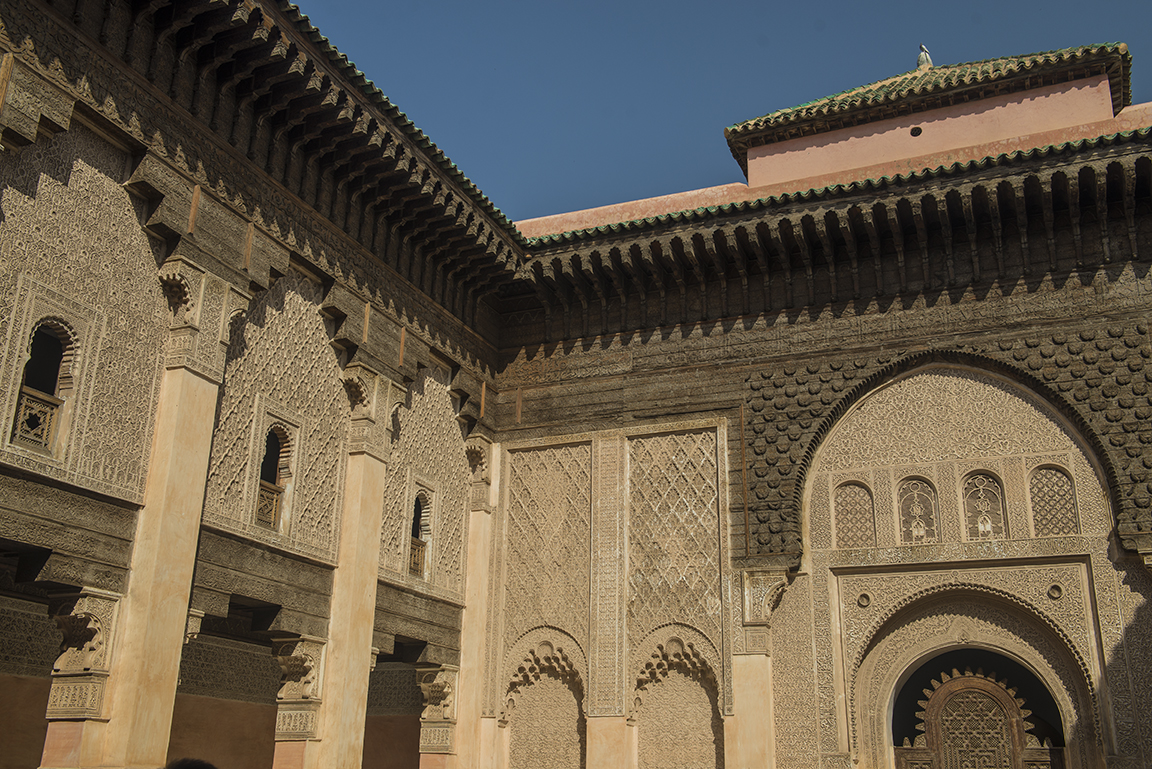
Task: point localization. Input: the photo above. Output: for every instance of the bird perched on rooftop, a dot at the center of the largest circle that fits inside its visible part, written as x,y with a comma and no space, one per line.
924,60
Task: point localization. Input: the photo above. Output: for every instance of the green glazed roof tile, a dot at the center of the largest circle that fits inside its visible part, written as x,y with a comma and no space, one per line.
920,89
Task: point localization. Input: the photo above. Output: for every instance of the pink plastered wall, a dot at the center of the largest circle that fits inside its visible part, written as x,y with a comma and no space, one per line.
1041,117
948,133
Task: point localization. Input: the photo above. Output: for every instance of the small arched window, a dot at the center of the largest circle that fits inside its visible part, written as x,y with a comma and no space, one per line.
273,476
918,511
984,507
1053,503
855,516
421,533
44,387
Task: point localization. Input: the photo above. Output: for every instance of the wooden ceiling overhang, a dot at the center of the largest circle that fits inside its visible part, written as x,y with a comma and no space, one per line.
995,219
261,77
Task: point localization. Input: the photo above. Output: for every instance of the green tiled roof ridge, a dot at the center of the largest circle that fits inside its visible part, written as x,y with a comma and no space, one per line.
358,79
688,215
936,78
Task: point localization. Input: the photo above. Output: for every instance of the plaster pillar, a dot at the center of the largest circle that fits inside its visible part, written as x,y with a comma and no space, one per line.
470,750
130,727
750,735
609,743
331,731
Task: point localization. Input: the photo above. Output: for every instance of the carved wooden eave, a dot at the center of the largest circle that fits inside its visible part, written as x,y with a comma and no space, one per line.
999,219
262,78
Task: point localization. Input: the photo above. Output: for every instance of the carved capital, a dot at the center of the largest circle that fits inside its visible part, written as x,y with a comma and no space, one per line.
438,688
762,589
301,663
192,628
87,623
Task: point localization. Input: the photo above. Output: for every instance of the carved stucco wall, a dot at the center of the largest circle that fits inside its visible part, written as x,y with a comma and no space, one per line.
548,541
281,369
680,726
29,640
226,669
632,518
548,730
940,425
95,270
429,455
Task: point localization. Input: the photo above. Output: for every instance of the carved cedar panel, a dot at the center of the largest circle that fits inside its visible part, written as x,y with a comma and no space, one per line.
680,726
431,450
548,540
281,356
96,256
548,729
673,534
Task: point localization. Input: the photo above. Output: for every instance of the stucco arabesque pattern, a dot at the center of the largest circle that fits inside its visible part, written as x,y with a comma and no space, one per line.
97,257
1096,374
429,452
280,360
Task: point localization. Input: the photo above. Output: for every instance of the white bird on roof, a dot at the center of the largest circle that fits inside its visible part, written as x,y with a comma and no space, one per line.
924,60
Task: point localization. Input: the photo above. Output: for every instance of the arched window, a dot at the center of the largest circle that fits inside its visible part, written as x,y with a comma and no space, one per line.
918,511
421,533
273,476
44,387
984,507
1053,503
855,517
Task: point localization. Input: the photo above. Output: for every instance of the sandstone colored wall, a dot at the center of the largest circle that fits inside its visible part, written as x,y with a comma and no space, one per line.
22,716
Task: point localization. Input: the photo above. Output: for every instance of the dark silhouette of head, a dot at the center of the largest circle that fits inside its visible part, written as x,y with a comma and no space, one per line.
189,763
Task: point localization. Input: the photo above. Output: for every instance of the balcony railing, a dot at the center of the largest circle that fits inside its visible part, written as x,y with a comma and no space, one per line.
416,557
36,416
268,505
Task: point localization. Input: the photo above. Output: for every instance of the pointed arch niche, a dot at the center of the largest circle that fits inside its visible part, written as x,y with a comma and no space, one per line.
923,441
544,704
675,707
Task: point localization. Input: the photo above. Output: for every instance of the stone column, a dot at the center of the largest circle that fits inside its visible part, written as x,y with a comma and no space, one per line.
438,720
130,728
331,734
473,636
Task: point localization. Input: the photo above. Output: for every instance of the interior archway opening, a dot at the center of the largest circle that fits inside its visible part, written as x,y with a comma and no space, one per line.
952,694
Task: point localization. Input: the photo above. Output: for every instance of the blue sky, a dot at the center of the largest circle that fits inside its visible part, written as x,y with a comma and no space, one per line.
556,107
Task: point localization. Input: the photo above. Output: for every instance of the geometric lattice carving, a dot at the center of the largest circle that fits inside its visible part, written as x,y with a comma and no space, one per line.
855,518
918,511
674,556
1053,503
984,507
548,540
36,417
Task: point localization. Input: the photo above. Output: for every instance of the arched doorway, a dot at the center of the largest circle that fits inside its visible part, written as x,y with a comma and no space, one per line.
975,709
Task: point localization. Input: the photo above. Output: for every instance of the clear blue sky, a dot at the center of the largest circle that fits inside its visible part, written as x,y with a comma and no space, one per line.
555,107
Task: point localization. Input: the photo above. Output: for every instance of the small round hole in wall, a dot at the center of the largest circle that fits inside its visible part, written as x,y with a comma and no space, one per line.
916,130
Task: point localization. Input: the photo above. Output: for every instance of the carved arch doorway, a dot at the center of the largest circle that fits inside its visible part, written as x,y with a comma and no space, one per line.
952,714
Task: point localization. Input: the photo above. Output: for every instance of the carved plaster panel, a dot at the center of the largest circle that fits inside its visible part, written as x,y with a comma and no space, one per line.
430,452
393,691
29,638
211,666
280,361
64,267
